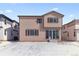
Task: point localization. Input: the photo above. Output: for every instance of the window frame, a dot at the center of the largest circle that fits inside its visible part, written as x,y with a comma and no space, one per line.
55,34
52,20
5,31
39,20
74,34
31,32
5,21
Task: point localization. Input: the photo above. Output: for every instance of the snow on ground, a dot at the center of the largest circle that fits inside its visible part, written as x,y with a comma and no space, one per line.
39,48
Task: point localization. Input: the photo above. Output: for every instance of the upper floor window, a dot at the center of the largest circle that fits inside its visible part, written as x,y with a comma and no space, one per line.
5,32
32,32
52,20
15,26
5,21
39,20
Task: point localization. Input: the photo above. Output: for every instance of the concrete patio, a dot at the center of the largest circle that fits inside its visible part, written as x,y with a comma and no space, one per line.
39,49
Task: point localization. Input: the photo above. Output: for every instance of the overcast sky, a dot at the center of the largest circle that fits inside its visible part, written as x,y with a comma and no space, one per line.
70,11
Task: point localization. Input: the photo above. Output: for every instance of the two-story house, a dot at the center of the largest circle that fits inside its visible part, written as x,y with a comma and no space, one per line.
6,28
46,27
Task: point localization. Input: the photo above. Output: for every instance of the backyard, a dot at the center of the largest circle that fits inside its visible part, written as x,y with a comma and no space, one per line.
39,49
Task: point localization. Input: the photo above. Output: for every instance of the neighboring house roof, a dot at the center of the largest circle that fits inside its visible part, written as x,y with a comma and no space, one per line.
73,22
1,15
15,21
40,15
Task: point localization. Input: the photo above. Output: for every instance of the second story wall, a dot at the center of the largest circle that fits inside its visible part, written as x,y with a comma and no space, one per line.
29,22
7,27
53,20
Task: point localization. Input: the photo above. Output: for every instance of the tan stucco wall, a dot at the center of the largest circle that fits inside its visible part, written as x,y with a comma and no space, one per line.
46,24
30,23
70,30
77,31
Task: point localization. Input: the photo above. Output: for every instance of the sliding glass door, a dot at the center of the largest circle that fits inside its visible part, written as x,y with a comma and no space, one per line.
52,34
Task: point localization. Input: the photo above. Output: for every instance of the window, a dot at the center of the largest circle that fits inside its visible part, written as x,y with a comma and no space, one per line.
5,21
68,34
39,20
36,32
5,32
26,32
74,34
52,20
47,34
31,32
15,26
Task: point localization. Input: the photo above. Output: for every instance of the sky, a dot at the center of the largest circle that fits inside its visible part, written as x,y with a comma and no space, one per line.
12,10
